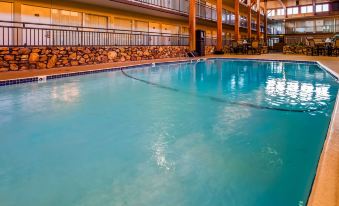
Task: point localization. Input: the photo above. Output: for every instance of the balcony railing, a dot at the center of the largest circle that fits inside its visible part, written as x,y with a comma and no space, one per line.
181,6
311,29
203,10
28,34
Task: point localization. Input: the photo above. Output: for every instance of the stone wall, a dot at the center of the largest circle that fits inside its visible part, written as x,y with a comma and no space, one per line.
289,49
14,59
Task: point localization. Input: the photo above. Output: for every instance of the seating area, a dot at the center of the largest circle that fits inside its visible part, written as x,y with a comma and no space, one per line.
315,47
253,47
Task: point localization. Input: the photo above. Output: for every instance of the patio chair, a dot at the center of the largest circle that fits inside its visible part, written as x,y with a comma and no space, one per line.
255,48
336,47
227,49
311,48
234,48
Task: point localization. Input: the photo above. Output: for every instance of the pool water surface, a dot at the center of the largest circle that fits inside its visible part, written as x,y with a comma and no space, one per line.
216,132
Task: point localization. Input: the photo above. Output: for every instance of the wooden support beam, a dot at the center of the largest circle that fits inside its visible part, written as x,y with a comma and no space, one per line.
192,25
258,19
236,20
249,21
252,3
314,7
265,22
282,4
219,25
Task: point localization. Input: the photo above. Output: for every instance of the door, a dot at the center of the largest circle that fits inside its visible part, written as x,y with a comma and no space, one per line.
123,34
36,34
140,32
94,35
155,37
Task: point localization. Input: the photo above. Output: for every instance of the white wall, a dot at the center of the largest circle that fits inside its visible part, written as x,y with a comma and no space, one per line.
6,14
6,11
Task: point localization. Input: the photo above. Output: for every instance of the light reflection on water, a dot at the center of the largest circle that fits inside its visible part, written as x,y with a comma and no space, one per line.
278,84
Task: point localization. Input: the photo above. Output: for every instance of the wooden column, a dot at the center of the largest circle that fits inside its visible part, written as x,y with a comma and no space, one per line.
249,21
219,25
192,25
258,23
236,20
265,23
314,8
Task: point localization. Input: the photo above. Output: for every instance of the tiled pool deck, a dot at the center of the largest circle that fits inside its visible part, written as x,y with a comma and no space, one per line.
325,191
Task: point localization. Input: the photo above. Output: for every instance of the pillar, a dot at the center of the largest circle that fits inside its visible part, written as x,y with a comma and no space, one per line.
192,25
249,21
265,25
236,21
258,23
219,26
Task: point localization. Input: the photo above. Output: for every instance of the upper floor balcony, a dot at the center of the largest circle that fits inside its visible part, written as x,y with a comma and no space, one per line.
204,10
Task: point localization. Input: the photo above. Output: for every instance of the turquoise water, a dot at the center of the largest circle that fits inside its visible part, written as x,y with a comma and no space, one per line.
234,133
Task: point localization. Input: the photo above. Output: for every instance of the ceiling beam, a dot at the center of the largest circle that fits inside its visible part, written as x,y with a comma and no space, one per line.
282,3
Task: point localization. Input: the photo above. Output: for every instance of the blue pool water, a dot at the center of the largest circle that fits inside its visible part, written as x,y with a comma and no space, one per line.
213,133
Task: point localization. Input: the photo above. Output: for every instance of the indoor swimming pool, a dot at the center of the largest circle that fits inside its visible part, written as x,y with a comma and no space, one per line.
214,132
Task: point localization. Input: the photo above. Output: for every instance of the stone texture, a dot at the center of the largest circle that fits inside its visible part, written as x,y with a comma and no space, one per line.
295,49
13,67
4,69
9,57
33,57
18,58
41,65
51,63
112,55
74,63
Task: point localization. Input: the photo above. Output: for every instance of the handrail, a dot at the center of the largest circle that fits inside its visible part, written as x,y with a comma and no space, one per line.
31,34
76,28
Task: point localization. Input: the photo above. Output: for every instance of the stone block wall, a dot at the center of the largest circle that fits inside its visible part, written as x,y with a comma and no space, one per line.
289,49
14,59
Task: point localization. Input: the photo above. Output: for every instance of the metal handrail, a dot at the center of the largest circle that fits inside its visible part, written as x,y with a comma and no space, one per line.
31,34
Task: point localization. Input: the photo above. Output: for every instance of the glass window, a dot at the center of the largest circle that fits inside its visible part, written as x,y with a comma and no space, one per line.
64,17
292,10
280,12
125,24
96,21
289,11
271,13
306,9
322,8
325,7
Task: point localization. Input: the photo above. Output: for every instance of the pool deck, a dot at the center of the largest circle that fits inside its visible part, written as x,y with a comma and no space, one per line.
325,191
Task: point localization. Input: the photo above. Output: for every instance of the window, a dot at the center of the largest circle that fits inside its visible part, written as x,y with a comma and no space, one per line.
96,21
280,12
322,8
306,9
271,13
292,10
64,17
141,25
124,24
